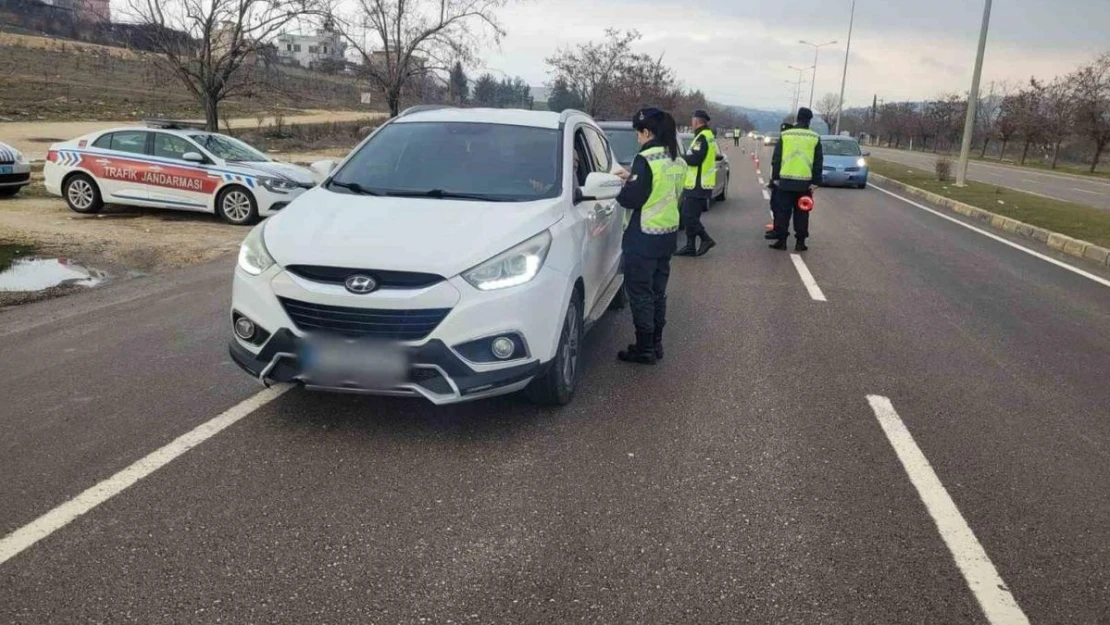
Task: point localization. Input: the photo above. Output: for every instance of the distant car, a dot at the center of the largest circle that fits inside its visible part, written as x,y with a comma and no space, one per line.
771,138
720,191
622,139
168,165
15,170
844,162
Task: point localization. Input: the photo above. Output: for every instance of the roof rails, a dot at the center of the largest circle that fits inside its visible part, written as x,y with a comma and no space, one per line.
419,108
173,124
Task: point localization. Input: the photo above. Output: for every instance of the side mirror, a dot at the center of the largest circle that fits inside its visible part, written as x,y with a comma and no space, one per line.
600,186
720,157
321,169
867,154
194,157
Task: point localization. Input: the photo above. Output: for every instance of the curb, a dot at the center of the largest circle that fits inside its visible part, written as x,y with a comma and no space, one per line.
1060,242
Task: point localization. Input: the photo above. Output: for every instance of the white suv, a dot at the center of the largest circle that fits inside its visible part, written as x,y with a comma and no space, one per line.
454,254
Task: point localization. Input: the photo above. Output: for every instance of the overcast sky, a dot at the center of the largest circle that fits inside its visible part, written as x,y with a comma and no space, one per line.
901,49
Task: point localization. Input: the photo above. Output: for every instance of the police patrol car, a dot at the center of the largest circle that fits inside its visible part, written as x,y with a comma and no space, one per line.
175,165
15,170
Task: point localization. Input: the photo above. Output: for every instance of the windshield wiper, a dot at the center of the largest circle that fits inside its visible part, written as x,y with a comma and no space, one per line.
354,187
440,194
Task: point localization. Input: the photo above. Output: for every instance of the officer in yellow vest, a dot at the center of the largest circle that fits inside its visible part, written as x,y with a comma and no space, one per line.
701,178
795,171
650,199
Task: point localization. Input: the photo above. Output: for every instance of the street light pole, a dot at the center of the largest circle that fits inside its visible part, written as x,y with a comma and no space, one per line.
798,89
844,78
816,49
973,99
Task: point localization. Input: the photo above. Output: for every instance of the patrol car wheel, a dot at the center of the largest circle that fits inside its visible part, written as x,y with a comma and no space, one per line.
82,194
556,387
237,206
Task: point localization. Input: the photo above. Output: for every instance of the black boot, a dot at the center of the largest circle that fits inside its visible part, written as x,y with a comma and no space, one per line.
770,236
801,246
641,353
690,249
657,344
707,243
779,245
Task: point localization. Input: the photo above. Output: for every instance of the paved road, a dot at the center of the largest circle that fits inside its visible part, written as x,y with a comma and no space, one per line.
1087,191
745,479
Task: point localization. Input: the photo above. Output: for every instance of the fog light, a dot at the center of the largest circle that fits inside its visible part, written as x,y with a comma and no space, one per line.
244,328
502,347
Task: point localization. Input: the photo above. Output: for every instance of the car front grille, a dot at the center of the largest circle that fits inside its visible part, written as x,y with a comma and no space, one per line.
851,169
385,279
400,325
9,178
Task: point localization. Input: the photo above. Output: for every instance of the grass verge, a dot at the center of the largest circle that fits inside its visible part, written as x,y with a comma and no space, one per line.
1077,221
9,252
1071,168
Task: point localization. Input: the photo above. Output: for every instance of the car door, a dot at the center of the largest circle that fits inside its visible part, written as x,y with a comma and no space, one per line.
591,215
118,164
173,181
610,216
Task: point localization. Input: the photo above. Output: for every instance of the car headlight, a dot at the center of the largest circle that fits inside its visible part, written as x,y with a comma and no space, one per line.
861,163
20,157
279,185
511,268
253,256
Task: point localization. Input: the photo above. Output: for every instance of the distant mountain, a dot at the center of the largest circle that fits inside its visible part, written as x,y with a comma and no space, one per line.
764,121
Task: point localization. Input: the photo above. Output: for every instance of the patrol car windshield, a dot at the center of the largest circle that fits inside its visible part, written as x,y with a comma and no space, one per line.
624,144
840,147
455,160
229,149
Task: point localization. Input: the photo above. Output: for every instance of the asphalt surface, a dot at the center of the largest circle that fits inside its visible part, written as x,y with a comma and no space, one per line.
743,480
1081,190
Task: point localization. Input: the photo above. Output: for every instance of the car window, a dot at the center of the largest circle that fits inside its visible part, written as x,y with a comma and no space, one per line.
228,148
131,141
624,144
169,146
490,161
599,148
840,147
583,164
104,141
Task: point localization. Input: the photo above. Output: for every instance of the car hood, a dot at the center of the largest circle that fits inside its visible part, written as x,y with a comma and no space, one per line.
444,237
840,161
289,171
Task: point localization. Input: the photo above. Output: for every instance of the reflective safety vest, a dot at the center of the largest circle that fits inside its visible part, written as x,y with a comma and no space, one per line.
659,214
708,168
799,147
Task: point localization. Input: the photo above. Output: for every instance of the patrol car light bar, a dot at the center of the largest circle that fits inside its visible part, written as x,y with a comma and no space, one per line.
172,124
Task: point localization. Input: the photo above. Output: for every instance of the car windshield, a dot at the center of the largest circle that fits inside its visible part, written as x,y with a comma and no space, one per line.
479,161
840,147
228,148
624,144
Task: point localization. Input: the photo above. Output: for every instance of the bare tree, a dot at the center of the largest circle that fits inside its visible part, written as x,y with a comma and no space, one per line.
1009,122
987,112
1092,102
400,41
1027,110
592,70
211,46
827,107
1057,113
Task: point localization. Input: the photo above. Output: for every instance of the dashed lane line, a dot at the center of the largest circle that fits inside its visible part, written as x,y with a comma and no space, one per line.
807,279
994,597
1047,259
23,538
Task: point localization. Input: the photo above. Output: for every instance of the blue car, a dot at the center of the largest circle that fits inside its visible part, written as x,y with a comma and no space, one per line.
845,165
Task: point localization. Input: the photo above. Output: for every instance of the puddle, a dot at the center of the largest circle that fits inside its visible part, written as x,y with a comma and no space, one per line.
37,274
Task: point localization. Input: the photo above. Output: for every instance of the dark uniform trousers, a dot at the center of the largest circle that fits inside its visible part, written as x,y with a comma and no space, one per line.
784,205
692,207
645,282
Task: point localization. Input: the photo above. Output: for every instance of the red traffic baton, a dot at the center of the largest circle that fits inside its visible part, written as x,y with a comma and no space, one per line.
805,203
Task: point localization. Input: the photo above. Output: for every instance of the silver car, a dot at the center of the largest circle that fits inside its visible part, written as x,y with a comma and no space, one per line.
720,191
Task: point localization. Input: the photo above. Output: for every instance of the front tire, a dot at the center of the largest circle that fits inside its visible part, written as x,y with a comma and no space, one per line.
724,191
237,206
82,195
557,385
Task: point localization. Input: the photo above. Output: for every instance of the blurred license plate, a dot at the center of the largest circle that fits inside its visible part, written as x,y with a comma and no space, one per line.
5,169
373,365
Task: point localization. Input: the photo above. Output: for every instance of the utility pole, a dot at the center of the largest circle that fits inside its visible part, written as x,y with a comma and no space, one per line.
816,48
973,99
798,91
844,78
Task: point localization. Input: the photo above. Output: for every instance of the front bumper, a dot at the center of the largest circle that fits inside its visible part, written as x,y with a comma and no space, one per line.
843,178
19,176
437,373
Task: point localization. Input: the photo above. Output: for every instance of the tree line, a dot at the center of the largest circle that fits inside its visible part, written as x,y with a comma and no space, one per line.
1068,116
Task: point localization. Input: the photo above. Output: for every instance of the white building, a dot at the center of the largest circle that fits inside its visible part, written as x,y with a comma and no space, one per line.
311,50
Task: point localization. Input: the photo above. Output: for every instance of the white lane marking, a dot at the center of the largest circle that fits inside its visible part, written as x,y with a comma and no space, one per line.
994,597
1049,259
1086,191
807,279
761,183
1029,180
759,172
26,536
766,194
